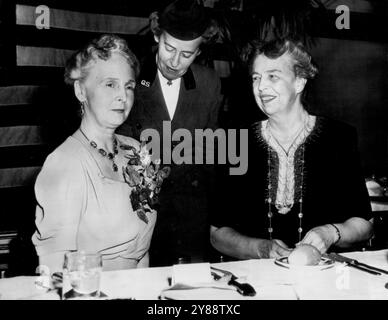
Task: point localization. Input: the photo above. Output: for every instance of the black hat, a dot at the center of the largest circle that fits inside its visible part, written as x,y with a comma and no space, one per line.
184,19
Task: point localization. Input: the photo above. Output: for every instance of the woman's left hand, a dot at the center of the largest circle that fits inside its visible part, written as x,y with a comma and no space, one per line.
321,237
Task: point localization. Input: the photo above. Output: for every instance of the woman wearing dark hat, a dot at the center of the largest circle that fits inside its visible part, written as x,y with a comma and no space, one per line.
175,90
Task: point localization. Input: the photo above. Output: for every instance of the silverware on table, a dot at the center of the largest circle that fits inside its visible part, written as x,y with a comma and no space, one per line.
243,288
356,264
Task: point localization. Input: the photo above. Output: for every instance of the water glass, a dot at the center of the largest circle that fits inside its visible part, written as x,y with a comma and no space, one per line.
81,275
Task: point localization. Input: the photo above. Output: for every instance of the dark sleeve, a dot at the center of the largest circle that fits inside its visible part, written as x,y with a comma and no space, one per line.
237,196
216,104
227,207
352,181
214,172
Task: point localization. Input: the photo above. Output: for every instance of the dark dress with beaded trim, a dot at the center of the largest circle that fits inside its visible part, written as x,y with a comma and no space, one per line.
333,187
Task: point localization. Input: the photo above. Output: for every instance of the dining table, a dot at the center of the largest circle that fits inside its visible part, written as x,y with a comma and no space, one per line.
271,281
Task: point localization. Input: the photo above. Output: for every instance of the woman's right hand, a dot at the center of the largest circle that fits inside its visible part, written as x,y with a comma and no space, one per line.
279,249
272,249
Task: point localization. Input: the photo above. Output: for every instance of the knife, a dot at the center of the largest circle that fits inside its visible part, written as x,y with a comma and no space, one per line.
244,289
355,264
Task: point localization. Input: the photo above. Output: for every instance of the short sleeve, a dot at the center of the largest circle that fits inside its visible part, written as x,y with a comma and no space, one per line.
60,191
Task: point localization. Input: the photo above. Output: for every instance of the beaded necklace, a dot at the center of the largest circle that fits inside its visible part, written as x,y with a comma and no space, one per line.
284,208
103,152
269,200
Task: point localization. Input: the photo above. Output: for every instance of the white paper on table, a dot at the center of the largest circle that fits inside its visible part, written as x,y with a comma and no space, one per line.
194,281
203,293
25,288
193,273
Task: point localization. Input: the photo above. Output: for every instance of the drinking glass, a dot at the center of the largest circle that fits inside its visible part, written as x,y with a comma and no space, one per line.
81,275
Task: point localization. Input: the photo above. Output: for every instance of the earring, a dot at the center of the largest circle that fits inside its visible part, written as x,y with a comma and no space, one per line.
82,107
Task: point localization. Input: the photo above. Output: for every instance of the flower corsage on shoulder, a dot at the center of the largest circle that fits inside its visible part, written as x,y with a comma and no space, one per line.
145,177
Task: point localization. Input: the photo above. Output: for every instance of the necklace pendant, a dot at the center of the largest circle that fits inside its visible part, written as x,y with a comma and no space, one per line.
114,166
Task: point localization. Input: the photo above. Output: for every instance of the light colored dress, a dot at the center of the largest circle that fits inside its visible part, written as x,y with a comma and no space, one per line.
81,209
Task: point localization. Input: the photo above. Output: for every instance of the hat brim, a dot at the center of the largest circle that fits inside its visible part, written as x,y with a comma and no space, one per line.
184,24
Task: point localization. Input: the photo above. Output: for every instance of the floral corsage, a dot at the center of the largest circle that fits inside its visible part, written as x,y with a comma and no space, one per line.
145,177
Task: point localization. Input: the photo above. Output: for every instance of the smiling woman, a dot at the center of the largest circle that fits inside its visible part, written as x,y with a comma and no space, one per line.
306,166
83,200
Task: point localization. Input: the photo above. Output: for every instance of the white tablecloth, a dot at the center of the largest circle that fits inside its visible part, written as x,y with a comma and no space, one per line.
269,280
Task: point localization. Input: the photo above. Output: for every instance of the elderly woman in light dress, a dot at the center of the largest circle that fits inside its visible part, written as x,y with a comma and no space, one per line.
83,200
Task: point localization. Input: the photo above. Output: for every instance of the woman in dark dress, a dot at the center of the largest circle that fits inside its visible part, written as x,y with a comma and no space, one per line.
304,183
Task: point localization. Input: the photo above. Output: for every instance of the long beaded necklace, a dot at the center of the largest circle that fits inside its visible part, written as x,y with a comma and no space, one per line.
269,200
286,175
306,129
104,153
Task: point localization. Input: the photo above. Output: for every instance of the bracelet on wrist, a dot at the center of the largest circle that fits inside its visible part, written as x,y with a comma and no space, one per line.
338,233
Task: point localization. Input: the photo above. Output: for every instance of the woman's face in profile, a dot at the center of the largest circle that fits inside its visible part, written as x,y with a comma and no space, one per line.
275,85
109,90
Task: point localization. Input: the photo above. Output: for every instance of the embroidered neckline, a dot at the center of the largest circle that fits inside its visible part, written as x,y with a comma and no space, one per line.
283,193
288,163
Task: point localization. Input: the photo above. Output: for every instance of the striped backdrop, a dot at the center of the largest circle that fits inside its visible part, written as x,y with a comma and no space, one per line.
35,106
37,111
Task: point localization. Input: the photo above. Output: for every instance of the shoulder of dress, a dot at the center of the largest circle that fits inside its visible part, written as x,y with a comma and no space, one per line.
67,152
336,128
255,135
328,122
62,166
332,132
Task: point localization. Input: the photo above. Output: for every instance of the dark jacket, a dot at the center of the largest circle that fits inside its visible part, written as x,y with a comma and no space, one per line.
182,225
